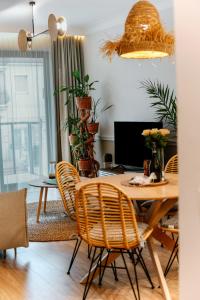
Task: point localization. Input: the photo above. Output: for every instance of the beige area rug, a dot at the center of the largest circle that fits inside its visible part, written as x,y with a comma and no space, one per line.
54,225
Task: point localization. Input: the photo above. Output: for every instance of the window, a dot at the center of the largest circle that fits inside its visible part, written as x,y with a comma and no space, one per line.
3,94
26,123
21,84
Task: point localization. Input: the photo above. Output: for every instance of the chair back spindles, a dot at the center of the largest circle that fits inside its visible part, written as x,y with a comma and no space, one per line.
106,217
172,165
67,177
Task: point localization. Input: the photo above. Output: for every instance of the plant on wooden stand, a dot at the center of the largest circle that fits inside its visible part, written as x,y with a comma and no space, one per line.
82,145
80,91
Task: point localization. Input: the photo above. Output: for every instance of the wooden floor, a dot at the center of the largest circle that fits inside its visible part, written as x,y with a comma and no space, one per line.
39,272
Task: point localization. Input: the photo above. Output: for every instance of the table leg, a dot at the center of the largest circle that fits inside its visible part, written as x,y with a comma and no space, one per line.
45,198
39,204
157,265
163,238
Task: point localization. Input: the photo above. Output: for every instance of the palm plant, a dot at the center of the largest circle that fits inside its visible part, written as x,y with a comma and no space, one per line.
164,101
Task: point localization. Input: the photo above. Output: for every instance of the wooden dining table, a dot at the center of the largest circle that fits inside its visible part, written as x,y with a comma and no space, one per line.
165,196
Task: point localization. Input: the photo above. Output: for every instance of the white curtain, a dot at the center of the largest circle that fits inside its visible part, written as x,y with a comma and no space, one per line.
27,118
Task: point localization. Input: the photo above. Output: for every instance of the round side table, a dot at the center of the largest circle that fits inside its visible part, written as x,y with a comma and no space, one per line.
40,183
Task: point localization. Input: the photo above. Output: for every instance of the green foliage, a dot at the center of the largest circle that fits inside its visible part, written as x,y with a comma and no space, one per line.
164,101
95,112
82,87
160,140
72,124
80,149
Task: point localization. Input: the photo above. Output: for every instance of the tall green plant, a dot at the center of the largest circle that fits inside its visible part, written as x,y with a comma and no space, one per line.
164,101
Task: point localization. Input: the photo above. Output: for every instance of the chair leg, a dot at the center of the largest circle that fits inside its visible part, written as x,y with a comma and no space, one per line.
89,280
104,268
136,278
4,254
100,267
173,255
15,251
114,269
89,251
76,248
142,263
129,277
113,266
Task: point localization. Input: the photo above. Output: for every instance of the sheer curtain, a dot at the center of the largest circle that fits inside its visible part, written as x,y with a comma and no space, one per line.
27,115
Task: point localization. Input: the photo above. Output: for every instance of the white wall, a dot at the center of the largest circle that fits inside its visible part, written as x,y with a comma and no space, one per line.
188,82
119,80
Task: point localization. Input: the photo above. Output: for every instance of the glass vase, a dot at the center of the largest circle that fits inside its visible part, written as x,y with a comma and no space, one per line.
156,166
162,162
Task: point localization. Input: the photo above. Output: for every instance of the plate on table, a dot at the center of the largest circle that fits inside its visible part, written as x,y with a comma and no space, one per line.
153,184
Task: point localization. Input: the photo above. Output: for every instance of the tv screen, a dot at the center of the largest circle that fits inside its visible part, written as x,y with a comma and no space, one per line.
130,149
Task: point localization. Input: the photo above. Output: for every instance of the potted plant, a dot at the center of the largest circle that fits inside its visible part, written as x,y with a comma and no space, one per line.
93,125
80,150
72,123
81,91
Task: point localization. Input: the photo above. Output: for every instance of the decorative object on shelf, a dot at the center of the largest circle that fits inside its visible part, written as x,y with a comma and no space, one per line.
144,35
56,27
164,101
156,140
82,145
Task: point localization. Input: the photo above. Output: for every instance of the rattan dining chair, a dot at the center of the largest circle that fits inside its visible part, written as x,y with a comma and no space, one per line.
172,165
113,229
170,225
67,177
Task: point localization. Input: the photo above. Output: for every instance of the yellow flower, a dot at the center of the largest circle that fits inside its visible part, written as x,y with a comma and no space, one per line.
146,132
164,131
154,131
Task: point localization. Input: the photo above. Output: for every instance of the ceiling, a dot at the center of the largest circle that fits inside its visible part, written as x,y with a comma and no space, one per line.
81,15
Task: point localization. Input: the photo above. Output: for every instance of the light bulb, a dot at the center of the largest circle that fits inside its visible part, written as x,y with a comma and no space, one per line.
61,26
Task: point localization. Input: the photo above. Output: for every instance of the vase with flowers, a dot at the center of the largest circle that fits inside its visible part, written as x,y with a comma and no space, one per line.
156,140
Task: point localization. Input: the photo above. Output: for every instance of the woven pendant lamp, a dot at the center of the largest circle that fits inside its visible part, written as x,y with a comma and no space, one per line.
144,35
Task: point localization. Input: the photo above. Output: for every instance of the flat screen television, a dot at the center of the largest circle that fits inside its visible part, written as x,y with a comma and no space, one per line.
130,149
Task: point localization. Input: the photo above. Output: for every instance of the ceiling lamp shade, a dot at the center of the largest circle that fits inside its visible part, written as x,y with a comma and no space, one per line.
144,35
